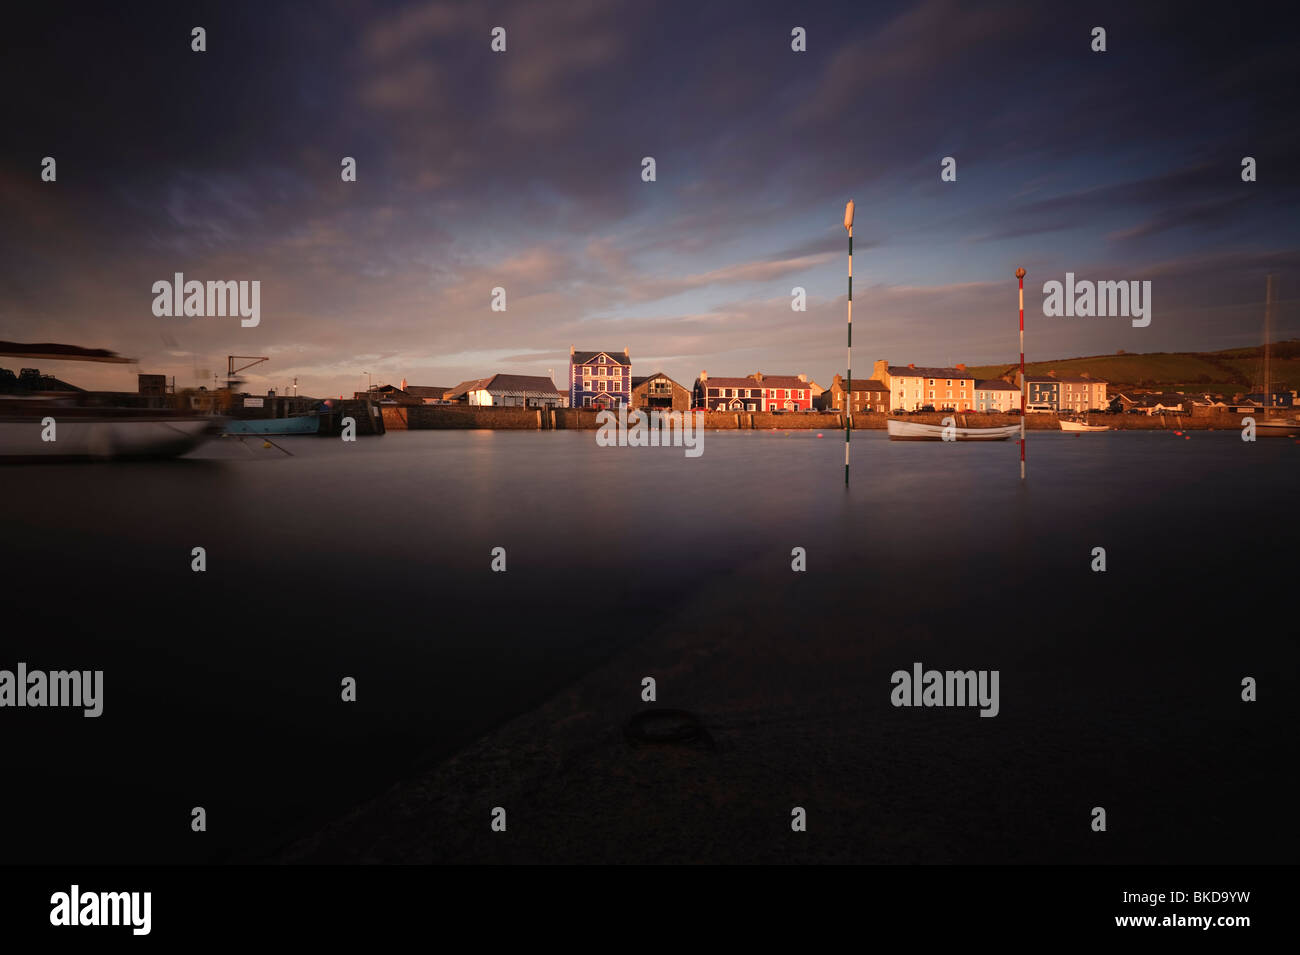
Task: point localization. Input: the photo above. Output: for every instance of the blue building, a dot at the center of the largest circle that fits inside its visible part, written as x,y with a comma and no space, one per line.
599,379
1043,393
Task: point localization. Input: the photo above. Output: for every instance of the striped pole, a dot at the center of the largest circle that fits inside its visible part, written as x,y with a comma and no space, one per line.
848,394
1020,275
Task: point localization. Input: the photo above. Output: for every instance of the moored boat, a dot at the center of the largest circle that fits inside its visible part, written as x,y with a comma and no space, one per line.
297,424
46,432
1077,426
917,431
1277,427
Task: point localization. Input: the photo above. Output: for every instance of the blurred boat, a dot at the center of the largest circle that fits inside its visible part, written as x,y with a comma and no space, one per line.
916,431
91,433
1080,426
297,424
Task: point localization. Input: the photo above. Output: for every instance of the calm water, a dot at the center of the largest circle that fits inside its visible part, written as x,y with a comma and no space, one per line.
371,560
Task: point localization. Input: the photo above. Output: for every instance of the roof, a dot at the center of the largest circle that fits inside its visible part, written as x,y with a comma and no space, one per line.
995,384
517,384
782,381
465,387
582,357
903,371
426,391
1070,379
861,384
637,382
730,383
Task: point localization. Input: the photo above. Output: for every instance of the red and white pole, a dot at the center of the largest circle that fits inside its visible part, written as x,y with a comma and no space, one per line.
1020,275
848,394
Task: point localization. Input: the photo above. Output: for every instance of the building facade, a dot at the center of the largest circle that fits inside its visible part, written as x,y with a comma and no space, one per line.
996,395
911,388
658,392
1075,395
516,391
756,392
869,395
599,379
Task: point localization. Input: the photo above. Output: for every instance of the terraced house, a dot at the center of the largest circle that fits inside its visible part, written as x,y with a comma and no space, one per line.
599,379
911,387
756,392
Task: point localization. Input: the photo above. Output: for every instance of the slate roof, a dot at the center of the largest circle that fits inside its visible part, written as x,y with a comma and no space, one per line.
582,357
518,384
995,384
902,371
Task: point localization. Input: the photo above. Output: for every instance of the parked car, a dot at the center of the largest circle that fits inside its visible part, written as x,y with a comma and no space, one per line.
925,409
899,411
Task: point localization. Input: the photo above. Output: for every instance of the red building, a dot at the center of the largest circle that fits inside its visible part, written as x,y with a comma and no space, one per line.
785,392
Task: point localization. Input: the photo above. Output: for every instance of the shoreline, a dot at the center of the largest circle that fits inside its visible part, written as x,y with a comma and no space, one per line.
454,417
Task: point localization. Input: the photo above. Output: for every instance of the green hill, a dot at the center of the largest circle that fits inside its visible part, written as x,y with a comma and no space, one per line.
1232,371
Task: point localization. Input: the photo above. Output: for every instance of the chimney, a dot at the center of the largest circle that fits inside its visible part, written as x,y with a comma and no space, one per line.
960,366
403,384
704,376
911,366
570,352
625,354
804,379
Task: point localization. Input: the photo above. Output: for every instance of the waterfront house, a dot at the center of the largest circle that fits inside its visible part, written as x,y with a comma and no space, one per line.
996,395
599,379
728,394
869,395
911,387
516,391
658,392
784,392
427,394
460,393
1043,393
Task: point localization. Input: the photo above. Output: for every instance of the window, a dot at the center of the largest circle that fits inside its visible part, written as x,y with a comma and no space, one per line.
932,392
963,394
602,359
787,393
586,401
932,382
950,385
950,390
713,393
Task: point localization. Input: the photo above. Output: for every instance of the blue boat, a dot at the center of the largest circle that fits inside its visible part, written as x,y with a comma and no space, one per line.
298,424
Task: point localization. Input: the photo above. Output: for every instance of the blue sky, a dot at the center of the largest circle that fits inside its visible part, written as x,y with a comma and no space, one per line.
522,170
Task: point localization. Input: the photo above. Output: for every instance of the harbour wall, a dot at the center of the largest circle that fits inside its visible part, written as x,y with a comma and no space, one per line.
452,417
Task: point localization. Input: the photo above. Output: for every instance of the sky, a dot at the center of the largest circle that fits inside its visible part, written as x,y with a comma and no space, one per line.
523,170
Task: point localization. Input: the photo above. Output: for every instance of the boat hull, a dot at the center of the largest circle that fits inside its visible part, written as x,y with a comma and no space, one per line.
1284,429
916,431
302,424
101,437
1078,426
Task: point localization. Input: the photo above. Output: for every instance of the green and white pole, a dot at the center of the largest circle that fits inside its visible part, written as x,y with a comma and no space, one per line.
848,392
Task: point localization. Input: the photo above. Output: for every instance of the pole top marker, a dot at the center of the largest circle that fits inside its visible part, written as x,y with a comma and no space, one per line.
848,215
1020,273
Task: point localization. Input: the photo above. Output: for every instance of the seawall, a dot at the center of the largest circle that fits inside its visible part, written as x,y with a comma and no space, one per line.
451,417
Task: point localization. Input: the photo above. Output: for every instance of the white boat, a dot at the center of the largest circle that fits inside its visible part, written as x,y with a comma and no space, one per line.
102,434
917,431
41,425
1275,427
1080,426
